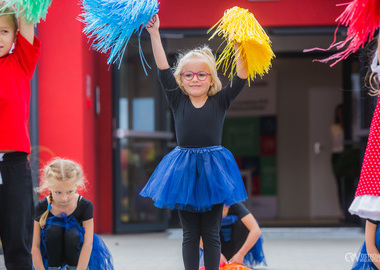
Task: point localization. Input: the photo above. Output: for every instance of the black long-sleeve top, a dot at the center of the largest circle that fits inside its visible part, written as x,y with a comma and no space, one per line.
198,127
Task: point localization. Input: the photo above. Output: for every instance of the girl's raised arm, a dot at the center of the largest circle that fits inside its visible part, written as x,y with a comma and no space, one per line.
241,67
85,253
373,252
158,50
36,251
26,30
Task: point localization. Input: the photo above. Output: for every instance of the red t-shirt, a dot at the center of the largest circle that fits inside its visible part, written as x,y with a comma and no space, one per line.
16,71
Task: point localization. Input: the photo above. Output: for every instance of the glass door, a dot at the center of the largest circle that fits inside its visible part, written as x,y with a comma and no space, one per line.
142,133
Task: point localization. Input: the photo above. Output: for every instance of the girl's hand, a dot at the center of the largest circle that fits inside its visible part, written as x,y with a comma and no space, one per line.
153,25
241,68
237,258
222,258
236,46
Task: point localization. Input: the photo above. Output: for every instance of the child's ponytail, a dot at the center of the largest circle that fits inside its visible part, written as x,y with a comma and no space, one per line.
45,215
374,84
372,79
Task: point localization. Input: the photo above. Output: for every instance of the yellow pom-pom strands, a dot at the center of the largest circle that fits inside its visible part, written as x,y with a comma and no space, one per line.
238,25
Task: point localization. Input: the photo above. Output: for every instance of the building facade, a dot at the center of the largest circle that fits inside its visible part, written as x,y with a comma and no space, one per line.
115,121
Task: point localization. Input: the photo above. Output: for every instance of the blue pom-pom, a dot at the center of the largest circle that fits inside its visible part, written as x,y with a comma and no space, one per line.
111,23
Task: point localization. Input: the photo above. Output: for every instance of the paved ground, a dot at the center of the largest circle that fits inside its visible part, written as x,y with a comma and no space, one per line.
285,249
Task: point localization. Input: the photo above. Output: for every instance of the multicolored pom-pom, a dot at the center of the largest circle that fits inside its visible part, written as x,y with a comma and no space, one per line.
32,10
234,266
362,17
238,25
111,23
229,266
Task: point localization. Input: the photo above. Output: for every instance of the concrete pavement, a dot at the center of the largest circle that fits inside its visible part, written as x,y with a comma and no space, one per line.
285,249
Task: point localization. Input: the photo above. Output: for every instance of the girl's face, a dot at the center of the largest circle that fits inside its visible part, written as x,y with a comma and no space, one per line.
7,34
201,82
63,193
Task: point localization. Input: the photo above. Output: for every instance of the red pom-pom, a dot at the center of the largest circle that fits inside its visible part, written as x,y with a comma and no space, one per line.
362,19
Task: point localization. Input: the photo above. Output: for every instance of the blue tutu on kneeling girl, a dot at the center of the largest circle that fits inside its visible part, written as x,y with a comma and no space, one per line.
362,259
100,259
240,231
63,235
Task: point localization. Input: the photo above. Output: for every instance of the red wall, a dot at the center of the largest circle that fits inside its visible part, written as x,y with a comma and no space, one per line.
103,144
68,126
203,13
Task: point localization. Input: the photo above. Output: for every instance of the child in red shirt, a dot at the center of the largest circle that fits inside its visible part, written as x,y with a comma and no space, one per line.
16,194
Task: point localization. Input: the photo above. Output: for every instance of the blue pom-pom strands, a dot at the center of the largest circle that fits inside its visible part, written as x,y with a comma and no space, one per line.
111,23
33,10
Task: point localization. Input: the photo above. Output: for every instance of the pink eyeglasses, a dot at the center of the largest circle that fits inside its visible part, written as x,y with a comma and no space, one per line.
189,75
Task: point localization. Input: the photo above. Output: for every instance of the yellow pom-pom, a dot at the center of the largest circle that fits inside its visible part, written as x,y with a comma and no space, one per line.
238,25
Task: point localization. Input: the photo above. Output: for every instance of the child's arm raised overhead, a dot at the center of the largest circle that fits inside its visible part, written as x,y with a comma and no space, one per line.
26,30
241,67
85,253
158,50
373,252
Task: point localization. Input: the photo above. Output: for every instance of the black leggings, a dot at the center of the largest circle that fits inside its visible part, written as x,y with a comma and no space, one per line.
16,211
62,246
207,225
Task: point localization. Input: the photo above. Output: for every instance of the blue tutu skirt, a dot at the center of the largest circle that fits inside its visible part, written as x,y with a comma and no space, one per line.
254,257
362,260
195,179
100,259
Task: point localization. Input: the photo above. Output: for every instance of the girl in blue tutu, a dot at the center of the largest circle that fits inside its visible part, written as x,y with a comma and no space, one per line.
242,242
199,175
64,227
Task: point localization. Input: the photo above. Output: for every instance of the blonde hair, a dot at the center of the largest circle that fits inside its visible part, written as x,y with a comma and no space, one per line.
204,54
371,79
11,13
57,170
373,83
